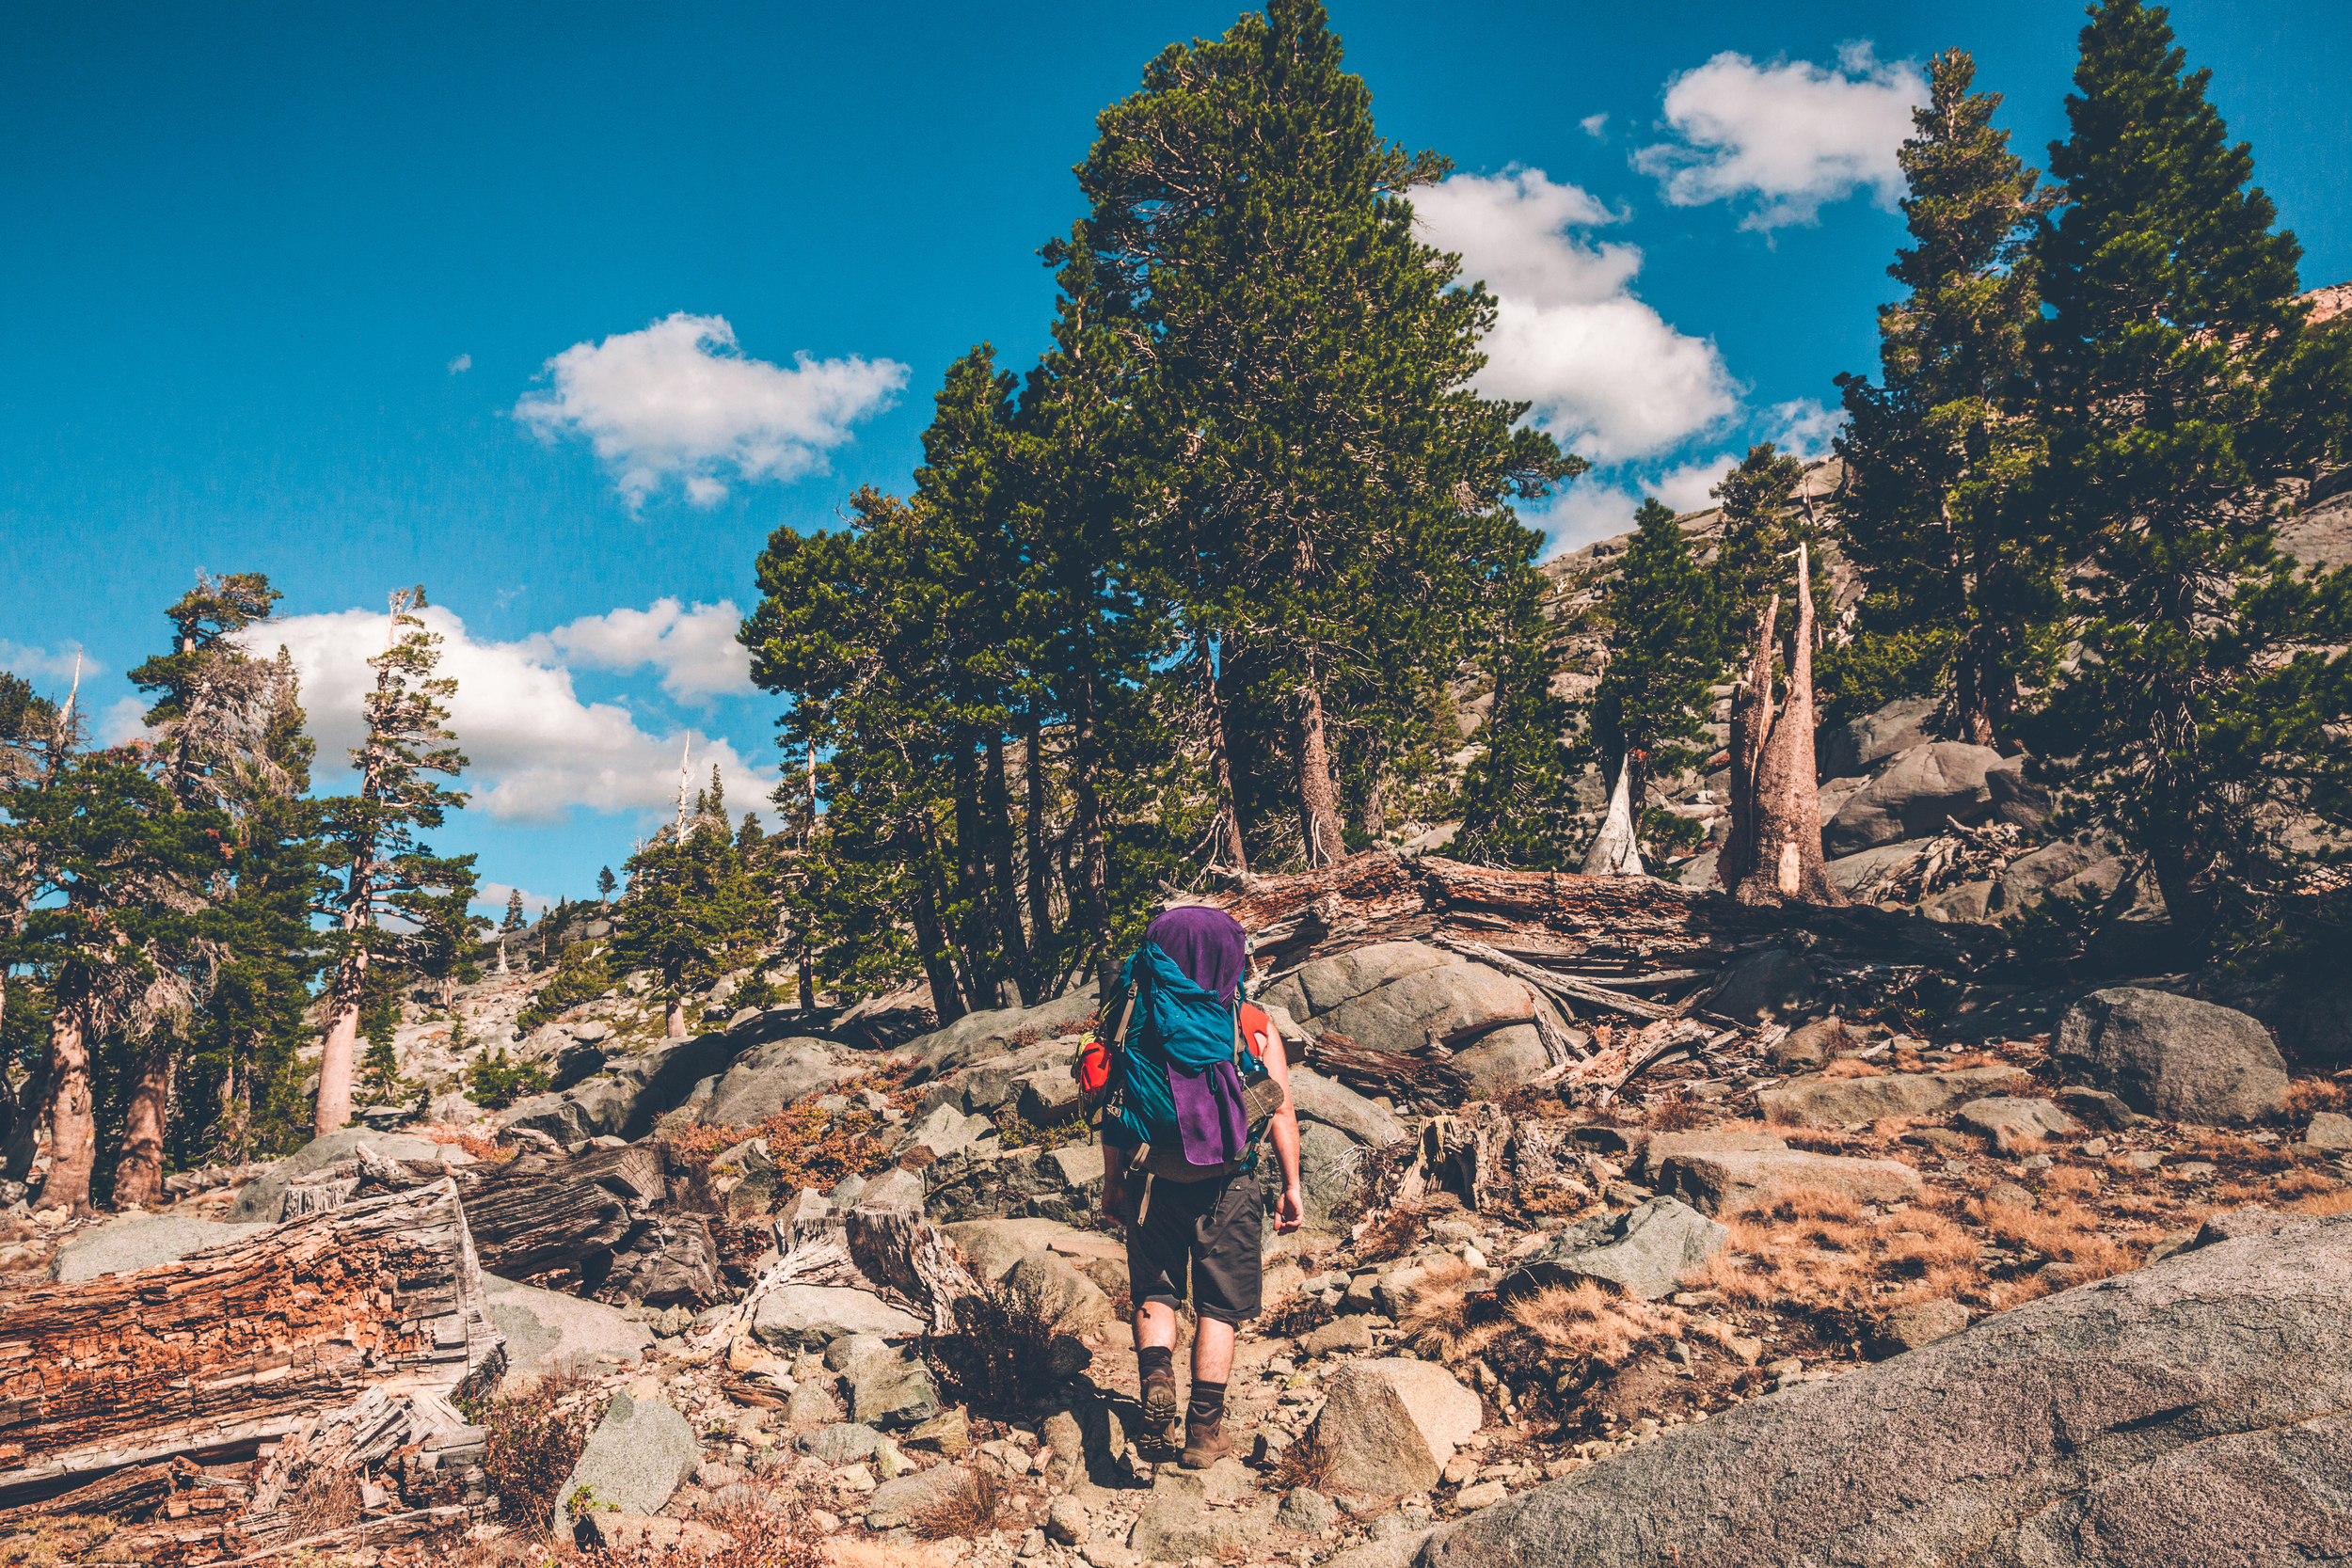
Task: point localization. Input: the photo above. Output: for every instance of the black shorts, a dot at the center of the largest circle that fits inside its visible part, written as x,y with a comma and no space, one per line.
1212,1230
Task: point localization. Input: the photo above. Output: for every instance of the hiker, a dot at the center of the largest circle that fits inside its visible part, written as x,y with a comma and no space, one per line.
1192,1205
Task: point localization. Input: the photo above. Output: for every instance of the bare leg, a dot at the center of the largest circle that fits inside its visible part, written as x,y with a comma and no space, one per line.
1155,1324
1212,1348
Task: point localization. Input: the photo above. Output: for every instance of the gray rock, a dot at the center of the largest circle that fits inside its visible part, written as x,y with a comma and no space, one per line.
140,1242
850,1349
1503,1060
548,1332
1318,1099
1913,797
840,1443
1056,1283
1732,1182
1390,1425
640,1454
2173,1058
893,1391
770,1077
1764,985
2329,1131
979,1035
1862,743
1306,1511
1839,1101
1644,1252
892,1189
1327,983
810,1317
1921,1322
1179,1522
1810,1045
1858,875
2030,876
2189,1412
1731,1137
2016,797
1969,903
1047,1095
1326,1170
947,1131
260,1198
1067,1522
899,1502
1699,870
2098,1106
2012,1121
1403,1014
2314,1021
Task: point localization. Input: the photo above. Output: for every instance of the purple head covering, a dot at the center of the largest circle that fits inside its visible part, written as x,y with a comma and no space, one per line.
1206,943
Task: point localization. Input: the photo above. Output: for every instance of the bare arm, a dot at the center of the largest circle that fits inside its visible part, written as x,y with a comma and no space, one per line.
1284,1129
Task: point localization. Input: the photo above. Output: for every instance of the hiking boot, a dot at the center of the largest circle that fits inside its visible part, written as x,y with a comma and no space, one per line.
1205,1442
1161,1410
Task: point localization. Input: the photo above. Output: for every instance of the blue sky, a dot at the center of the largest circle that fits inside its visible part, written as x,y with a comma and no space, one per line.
365,295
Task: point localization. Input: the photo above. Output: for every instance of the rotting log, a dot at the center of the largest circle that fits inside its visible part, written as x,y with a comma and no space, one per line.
1372,1072
242,1343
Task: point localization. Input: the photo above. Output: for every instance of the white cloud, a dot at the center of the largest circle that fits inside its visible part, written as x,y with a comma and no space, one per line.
494,895
40,665
695,649
1605,372
1595,125
1685,486
676,402
123,721
1803,427
535,749
460,365
1785,137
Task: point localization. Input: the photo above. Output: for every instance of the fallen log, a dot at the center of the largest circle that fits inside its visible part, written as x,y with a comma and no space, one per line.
242,1343
1562,987
1374,1072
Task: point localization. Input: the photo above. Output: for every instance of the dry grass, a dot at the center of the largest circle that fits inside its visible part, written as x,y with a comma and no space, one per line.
1675,1114
2064,1230
1306,1463
1391,1234
1812,1250
1849,1067
2070,1181
2337,1202
1589,1322
2308,1095
56,1541
964,1515
1437,1312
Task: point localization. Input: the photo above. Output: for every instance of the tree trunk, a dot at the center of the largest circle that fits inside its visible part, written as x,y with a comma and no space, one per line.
1372,820
338,1056
1226,842
1318,798
996,806
808,983
1035,862
1617,851
1751,721
243,1343
72,1113
32,1111
946,997
139,1170
1093,860
1786,818
673,1018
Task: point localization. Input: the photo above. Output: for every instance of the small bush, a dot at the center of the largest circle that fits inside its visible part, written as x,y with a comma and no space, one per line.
581,977
1306,1463
1001,1356
1675,1114
532,1446
496,1083
1014,1131
1391,1235
962,1514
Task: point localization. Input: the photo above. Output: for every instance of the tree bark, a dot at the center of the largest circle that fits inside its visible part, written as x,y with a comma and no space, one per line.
1093,860
139,1170
1226,842
946,997
1616,849
1785,865
243,1342
996,804
339,1053
71,1112
32,1112
1035,862
1318,798
1751,721
673,1018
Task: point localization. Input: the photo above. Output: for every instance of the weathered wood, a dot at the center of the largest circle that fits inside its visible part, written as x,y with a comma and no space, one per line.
532,1213
1565,988
1385,1072
243,1342
902,1252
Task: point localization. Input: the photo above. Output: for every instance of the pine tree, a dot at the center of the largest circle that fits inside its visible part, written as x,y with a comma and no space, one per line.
689,913
2181,394
605,884
374,833
514,921
1960,563
1518,802
1757,533
1303,366
1665,630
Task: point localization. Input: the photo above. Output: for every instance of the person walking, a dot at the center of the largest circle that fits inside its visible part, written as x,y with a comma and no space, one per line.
1179,1169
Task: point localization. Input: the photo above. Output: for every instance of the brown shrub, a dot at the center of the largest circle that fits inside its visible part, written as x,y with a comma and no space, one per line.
1436,1317
2308,1095
2301,1184
533,1446
962,1514
1675,1114
1001,1356
2070,1181
1849,1067
1391,1234
1305,1462
1590,1323
2337,1202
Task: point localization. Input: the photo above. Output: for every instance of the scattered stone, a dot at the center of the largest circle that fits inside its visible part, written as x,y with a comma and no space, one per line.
2175,1058
1736,1137
1341,1334
896,1502
1486,1494
2329,1131
2011,1121
1921,1322
892,1391
640,1454
1066,1520
2094,1148
1809,1045
1820,1101
1056,1282
839,1442
2008,1194
1644,1252
1390,1425
1108,1553
2192,1170
2099,1106
1731,1182
950,1433
548,1332
1308,1512
809,1317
